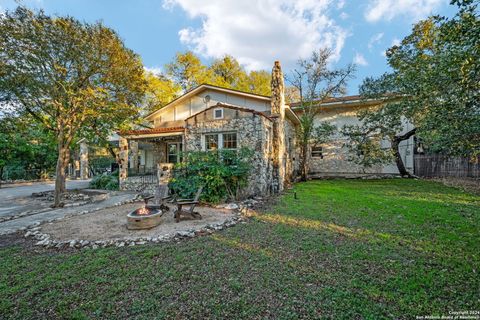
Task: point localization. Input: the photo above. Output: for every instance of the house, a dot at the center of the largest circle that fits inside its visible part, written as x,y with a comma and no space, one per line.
210,117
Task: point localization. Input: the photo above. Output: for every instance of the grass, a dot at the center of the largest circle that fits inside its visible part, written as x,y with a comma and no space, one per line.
343,249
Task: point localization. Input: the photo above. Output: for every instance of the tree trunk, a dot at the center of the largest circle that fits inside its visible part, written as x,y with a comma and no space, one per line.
396,152
62,161
398,159
304,162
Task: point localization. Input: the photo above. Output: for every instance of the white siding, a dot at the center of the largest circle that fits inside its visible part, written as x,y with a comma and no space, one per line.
195,104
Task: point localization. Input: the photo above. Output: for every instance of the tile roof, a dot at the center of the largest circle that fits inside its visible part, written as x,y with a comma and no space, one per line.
152,131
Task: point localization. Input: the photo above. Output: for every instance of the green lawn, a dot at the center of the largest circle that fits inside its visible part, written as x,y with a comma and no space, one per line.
344,249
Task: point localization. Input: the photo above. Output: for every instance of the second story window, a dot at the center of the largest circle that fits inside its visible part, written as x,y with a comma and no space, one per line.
218,113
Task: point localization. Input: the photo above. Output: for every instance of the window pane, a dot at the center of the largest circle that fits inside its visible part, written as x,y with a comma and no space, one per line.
317,152
211,141
218,113
229,141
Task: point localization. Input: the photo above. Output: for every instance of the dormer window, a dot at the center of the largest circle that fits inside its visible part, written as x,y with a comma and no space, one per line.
218,113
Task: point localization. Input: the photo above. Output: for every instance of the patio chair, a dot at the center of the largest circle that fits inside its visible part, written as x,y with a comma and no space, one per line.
159,199
191,203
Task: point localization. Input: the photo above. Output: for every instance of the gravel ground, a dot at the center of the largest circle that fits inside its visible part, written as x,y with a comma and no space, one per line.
110,224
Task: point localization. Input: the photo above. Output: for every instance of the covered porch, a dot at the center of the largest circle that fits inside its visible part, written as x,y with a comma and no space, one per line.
147,157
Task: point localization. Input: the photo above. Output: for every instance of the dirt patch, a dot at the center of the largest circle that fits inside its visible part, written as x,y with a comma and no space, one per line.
110,224
467,184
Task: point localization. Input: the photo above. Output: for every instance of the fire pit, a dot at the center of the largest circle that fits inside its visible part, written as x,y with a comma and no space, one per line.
144,218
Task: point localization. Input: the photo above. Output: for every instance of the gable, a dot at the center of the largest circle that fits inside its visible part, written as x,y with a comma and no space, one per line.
204,97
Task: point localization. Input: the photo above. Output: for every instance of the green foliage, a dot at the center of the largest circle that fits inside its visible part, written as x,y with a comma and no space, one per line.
105,181
223,174
159,92
74,78
27,151
436,77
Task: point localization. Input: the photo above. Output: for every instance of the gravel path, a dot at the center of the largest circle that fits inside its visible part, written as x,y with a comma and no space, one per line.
110,224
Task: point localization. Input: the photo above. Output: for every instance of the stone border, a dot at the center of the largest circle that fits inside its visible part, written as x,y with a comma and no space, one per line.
241,213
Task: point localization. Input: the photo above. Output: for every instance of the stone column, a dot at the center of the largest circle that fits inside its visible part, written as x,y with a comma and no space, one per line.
278,138
123,159
134,154
83,160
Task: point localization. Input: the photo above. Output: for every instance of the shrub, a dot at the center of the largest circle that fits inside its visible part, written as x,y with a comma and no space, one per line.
223,174
105,181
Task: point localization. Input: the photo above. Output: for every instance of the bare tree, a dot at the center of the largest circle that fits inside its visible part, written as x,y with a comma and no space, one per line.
315,81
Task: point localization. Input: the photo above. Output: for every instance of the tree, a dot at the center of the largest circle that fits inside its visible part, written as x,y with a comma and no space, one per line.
227,72
315,81
25,147
436,84
259,82
159,92
188,71
74,78
382,123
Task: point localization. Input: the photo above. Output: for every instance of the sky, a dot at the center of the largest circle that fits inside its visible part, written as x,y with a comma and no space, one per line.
256,32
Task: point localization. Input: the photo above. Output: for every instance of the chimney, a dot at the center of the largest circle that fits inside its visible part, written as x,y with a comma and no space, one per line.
278,91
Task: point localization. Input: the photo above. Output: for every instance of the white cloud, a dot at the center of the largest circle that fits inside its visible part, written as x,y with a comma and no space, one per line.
375,39
340,4
388,9
154,70
360,59
395,42
259,32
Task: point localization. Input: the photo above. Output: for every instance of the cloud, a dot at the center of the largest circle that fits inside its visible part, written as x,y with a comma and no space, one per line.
388,9
395,42
374,39
259,32
154,70
360,59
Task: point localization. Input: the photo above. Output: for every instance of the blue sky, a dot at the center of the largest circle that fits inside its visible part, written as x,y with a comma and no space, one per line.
256,32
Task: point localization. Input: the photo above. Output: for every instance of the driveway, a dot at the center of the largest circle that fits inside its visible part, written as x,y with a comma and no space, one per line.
14,199
23,190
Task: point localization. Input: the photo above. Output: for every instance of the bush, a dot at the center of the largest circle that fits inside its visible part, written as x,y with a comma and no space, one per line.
105,181
223,174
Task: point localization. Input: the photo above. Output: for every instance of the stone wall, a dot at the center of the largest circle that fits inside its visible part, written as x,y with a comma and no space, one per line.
253,131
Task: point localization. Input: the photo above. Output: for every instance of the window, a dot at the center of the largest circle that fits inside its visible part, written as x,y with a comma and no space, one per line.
211,141
317,152
214,141
229,141
218,113
173,152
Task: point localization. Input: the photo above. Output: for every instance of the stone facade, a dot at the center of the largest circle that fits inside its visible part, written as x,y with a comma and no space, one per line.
253,131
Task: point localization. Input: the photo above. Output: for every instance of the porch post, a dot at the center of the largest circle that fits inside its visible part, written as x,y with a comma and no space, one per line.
123,158
134,154
83,160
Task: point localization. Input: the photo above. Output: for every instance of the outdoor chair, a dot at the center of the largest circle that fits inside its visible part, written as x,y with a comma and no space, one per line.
191,203
159,199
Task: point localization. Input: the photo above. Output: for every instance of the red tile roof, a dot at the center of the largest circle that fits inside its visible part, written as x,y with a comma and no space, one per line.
152,131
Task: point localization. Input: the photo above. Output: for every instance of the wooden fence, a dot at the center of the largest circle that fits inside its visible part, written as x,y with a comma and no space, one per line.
430,166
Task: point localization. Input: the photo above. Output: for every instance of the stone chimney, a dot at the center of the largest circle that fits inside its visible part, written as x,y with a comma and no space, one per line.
278,136
278,91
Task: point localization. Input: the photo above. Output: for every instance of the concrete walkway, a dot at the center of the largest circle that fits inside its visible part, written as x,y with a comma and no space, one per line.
18,224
